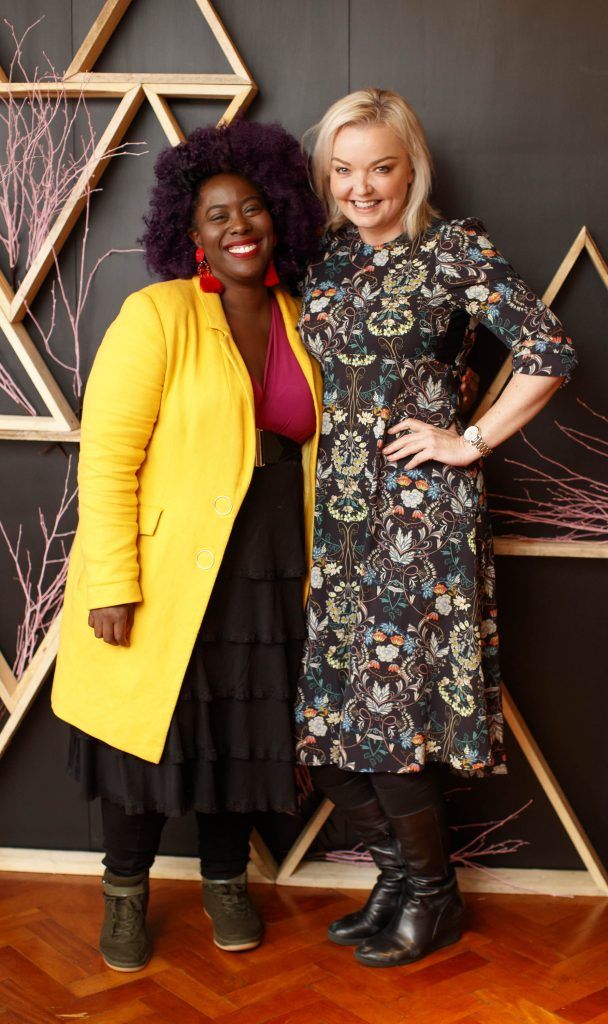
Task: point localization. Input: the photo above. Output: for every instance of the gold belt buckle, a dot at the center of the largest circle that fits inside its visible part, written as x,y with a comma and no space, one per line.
259,454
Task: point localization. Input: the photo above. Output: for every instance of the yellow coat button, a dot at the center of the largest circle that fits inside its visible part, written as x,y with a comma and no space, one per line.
205,558
223,505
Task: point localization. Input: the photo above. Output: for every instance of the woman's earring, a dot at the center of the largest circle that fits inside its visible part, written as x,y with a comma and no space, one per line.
207,280
271,278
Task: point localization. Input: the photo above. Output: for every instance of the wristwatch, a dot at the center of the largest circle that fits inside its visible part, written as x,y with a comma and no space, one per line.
473,436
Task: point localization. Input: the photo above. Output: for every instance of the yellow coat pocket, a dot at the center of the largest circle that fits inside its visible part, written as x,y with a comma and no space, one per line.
148,516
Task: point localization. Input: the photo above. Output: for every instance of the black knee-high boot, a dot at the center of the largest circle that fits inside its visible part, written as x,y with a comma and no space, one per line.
354,795
431,911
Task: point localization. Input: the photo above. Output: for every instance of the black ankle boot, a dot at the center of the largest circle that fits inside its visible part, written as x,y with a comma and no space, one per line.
431,911
373,827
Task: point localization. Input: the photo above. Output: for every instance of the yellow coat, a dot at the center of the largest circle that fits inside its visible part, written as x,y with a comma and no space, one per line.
166,458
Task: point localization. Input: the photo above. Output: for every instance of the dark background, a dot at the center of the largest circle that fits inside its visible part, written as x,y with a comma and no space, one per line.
513,98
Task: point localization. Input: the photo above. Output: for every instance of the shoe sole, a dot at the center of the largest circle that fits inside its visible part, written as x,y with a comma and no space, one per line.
237,949
350,942
125,970
233,947
448,940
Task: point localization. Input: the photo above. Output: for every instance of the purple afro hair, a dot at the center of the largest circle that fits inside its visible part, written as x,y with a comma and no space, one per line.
265,154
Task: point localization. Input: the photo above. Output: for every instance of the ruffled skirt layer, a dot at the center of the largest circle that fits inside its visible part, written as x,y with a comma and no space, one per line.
230,744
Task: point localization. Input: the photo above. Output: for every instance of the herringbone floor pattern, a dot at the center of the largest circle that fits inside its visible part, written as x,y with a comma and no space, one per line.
523,958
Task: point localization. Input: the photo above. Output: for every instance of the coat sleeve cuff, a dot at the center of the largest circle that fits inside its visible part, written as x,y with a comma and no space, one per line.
106,595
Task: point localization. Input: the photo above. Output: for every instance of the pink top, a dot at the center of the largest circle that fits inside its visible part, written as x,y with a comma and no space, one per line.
284,403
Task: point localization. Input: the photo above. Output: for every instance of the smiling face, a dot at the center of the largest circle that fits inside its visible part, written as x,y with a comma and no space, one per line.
370,176
234,228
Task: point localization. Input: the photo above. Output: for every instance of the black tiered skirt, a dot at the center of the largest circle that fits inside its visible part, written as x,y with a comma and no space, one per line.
230,744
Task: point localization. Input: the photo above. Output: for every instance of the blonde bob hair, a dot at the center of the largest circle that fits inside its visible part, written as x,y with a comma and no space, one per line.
372,107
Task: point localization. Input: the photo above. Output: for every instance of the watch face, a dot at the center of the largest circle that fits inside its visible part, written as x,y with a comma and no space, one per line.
471,434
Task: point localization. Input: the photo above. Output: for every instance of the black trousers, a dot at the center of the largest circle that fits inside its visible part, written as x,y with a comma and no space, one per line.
131,841
398,795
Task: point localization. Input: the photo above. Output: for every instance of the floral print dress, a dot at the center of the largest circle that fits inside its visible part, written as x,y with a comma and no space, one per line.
401,661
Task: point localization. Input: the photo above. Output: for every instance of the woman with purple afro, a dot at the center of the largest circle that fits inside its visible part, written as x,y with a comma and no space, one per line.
183,621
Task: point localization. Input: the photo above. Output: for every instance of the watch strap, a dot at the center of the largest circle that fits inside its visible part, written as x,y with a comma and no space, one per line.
479,443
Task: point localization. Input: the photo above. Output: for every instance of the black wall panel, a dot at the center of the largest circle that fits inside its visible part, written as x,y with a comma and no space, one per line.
512,95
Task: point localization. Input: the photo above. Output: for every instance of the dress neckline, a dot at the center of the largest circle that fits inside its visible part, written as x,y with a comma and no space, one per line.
351,232
275,313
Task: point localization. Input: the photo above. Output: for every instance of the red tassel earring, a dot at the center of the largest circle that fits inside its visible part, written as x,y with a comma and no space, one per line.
207,280
271,278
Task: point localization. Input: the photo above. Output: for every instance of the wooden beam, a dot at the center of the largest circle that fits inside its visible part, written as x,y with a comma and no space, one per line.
30,682
530,548
7,699
127,79
325,874
565,267
6,296
169,122
239,105
41,377
36,428
554,793
596,258
165,115
197,91
229,49
307,836
97,36
318,873
262,857
72,89
8,685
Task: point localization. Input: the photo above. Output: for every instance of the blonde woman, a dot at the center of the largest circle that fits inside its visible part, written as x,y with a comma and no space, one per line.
401,669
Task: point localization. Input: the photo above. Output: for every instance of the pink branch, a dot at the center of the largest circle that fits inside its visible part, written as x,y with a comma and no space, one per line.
43,594
569,501
465,856
14,392
39,173
598,415
475,847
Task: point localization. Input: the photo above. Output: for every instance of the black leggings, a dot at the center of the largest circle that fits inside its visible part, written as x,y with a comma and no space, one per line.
398,794
131,841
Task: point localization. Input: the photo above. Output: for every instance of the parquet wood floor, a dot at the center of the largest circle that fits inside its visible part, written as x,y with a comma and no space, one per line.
532,959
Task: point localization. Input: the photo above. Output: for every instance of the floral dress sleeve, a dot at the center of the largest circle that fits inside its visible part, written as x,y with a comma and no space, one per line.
481,281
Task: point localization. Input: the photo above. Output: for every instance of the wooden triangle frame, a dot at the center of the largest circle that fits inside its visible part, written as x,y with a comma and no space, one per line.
553,791
551,548
132,90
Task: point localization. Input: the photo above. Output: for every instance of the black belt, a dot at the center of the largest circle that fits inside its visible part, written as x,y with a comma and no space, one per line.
271,447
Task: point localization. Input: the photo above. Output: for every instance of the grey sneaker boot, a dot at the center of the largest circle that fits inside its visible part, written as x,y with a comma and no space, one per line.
124,943
236,923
